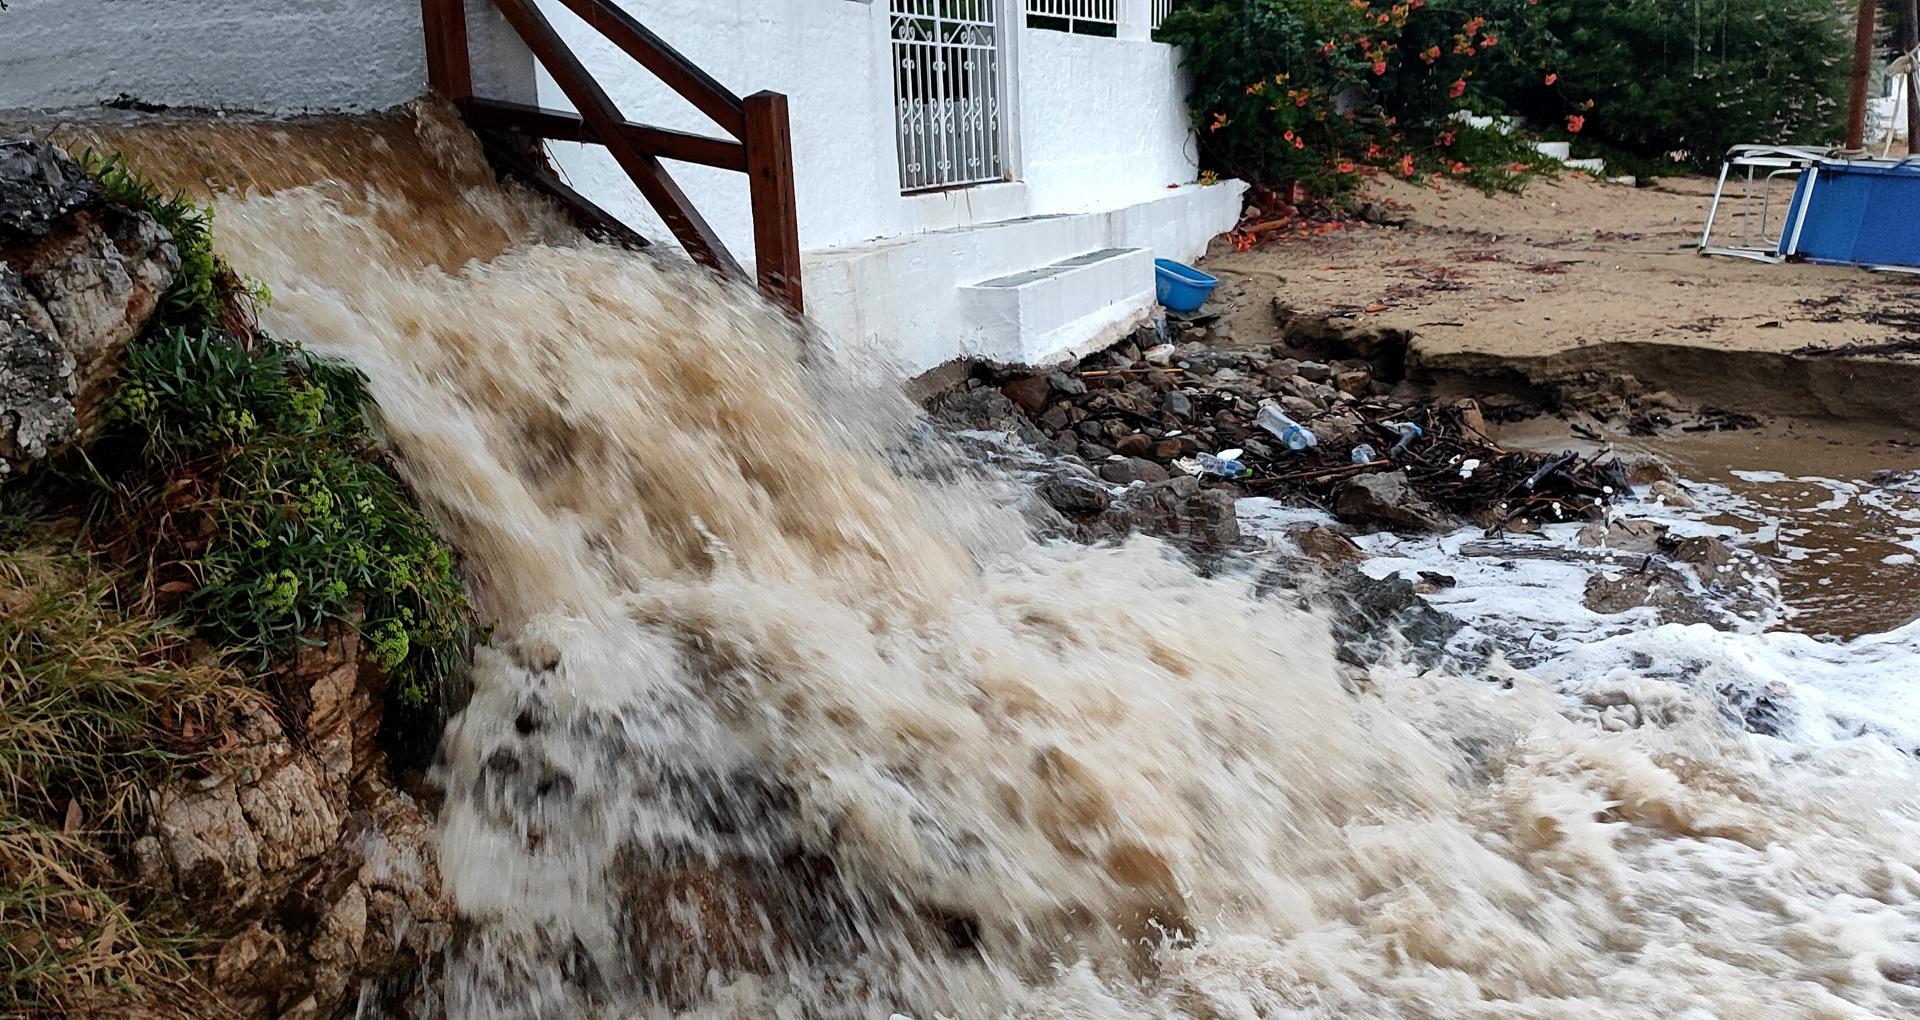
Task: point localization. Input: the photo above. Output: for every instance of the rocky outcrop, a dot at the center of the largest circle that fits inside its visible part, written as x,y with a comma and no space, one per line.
297,845
79,278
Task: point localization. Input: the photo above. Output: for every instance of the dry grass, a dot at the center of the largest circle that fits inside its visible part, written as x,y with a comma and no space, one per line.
95,704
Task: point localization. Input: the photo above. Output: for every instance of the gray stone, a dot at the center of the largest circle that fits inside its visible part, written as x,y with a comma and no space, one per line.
1628,536
1655,586
1132,469
1670,494
1389,499
79,278
39,186
1299,407
1176,404
1074,494
36,379
1180,510
1313,371
1329,546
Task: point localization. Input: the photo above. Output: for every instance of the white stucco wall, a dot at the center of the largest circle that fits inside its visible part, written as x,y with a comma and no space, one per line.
1097,123
1102,121
276,56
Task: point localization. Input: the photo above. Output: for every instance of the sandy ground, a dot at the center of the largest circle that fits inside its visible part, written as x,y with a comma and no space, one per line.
1570,263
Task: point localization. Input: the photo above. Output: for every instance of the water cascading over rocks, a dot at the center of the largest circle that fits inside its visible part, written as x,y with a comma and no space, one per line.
772,725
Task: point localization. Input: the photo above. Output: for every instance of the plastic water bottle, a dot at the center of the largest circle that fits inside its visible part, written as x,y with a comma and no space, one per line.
1288,431
1223,465
1408,433
1365,454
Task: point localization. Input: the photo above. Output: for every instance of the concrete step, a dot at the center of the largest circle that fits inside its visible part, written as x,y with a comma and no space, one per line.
1061,310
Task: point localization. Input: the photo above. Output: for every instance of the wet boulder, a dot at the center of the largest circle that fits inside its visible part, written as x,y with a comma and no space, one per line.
79,278
1389,499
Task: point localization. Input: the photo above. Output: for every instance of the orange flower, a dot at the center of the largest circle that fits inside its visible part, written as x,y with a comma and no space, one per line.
1406,165
1289,136
1458,168
1328,48
1474,26
1219,121
1575,123
1344,166
1256,88
1459,88
1551,78
1430,54
1379,67
1488,40
1446,138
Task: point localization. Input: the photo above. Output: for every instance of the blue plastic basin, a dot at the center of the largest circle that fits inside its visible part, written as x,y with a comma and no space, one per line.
1181,288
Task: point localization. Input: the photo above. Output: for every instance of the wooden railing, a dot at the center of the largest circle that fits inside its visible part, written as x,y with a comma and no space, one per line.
761,145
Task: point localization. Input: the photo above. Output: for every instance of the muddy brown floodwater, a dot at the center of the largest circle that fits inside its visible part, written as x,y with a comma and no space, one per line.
1835,507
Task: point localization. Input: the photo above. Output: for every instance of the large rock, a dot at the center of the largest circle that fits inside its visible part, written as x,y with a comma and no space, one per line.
1389,499
79,277
39,186
1180,510
296,843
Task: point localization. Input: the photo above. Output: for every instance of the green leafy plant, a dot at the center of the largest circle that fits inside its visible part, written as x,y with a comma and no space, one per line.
295,519
1652,77
1315,91
244,473
207,292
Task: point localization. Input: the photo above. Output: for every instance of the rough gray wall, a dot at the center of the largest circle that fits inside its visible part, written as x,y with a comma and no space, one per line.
274,56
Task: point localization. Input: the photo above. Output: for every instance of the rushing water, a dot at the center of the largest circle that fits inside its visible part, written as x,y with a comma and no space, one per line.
784,717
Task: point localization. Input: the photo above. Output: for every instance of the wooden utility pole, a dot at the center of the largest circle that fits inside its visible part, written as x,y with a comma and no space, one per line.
1909,42
1862,69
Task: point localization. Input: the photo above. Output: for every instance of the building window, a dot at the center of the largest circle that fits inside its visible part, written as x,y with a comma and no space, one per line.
946,86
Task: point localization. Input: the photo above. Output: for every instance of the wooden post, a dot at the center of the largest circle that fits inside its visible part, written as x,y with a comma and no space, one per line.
449,68
1862,68
776,223
1910,41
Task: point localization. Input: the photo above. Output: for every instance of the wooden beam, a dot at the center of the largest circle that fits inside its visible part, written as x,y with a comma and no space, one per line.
776,221
603,117
1862,68
1910,41
449,67
559,125
680,74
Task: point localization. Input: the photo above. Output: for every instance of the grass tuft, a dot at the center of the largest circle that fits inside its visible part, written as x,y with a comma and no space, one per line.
94,703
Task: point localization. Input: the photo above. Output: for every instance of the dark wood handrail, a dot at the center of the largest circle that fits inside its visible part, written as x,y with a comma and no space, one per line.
760,123
680,74
564,126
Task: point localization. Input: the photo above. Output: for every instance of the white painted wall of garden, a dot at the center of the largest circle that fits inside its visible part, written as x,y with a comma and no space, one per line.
270,56
1100,138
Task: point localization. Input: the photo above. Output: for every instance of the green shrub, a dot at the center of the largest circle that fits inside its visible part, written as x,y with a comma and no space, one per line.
1310,91
292,519
243,473
1652,77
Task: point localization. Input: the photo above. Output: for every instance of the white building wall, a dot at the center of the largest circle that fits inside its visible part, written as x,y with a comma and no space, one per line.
1103,122
1099,122
1102,156
273,56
